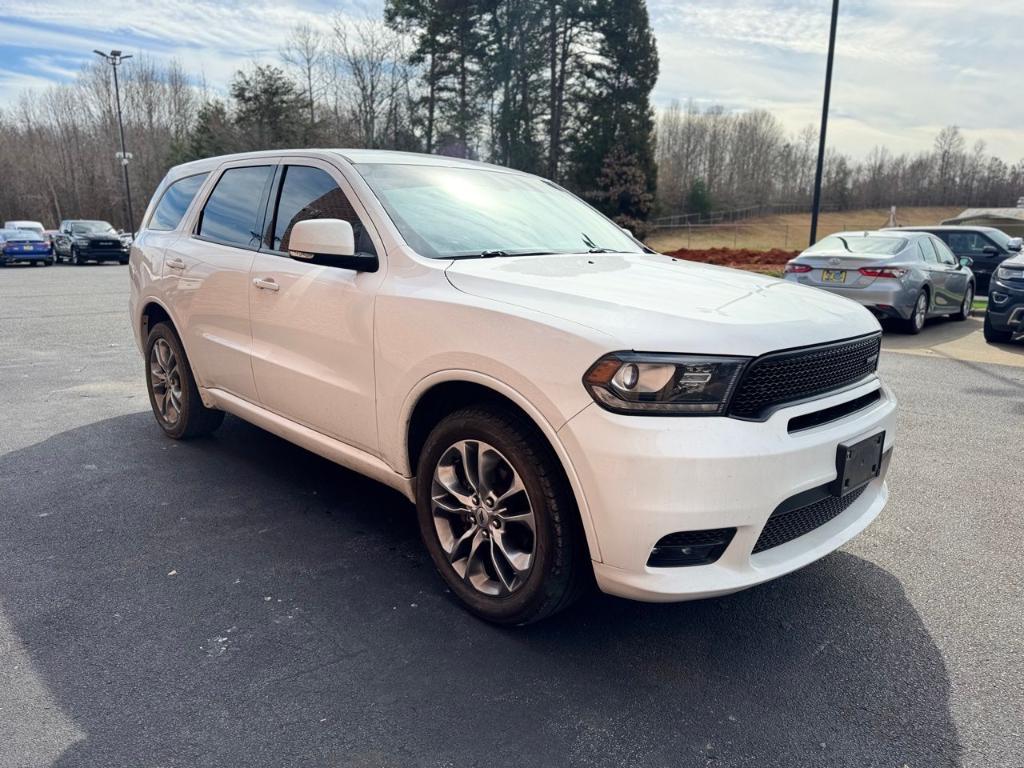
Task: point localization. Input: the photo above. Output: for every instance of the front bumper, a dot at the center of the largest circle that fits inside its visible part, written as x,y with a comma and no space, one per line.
646,477
1006,307
102,254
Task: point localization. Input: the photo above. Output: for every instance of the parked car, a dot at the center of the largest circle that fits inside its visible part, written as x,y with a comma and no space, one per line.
901,275
987,247
24,245
1004,315
84,240
33,226
555,398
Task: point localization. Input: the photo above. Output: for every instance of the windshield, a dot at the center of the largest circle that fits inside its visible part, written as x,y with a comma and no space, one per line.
92,228
886,246
459,212
27,235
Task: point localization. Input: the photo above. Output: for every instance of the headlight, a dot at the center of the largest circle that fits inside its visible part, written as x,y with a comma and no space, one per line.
664,385
1005,273
81,241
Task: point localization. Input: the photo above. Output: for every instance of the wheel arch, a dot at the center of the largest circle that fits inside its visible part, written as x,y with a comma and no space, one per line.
437,396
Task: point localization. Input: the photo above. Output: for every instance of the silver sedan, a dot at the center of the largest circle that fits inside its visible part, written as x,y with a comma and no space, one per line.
906,276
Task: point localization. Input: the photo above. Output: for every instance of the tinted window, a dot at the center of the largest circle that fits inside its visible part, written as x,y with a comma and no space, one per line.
928,250
232,214
967,243
176,201
310,193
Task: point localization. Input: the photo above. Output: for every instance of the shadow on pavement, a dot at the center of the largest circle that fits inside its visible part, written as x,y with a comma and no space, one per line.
238,601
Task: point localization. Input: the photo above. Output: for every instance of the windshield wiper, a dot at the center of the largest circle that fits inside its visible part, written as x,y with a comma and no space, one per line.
497,253
598,249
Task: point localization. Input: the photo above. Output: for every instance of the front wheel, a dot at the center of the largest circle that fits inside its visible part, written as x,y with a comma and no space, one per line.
498,518
994,336
75,258
967,305
173,393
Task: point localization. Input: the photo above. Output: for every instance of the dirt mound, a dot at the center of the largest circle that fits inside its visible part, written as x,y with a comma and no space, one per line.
735,257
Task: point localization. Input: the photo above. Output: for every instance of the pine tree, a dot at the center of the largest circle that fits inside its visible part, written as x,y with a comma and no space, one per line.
619,116
266,102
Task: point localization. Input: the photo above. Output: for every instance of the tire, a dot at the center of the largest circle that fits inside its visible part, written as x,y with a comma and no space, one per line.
556,570
75,258
166,361
122,262
967,305
993,336
915,323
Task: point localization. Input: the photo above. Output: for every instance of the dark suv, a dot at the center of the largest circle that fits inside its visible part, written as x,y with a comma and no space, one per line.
82,240
985,246
1004,316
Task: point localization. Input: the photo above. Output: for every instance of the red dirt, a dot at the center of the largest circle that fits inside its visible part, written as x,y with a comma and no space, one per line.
741,258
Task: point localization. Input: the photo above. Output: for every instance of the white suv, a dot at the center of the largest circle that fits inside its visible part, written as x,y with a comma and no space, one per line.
556,399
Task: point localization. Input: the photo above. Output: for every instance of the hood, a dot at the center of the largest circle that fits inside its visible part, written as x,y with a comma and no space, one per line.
98,236
655,303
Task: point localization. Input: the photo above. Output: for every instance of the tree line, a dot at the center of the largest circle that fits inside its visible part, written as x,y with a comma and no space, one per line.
713,159
560,88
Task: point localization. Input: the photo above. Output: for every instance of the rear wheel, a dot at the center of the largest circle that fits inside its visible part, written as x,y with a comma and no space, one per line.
918,315
967,305
497,517
994,336
173,394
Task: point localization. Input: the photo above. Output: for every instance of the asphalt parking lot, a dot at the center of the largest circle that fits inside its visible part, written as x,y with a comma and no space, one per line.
238,601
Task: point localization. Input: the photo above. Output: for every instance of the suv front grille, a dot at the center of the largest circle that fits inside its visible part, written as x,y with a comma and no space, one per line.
797,374
792,524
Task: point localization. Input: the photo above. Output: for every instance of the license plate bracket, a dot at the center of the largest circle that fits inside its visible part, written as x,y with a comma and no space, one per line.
857,464
833,275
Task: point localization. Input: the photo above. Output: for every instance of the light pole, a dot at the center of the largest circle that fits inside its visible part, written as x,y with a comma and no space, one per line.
114,58
816,205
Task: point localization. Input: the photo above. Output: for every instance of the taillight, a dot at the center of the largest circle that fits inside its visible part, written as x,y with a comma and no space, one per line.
882,272
797,268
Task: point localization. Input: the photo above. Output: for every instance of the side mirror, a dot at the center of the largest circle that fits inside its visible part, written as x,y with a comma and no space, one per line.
990,249
330,242
1015,244
966,261
628,232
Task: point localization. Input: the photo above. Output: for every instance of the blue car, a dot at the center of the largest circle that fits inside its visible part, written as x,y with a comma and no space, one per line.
23,245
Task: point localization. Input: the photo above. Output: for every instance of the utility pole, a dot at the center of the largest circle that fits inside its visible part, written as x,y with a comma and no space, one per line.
816,205
114,58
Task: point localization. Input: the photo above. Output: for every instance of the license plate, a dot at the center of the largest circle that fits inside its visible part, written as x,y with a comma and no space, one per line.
28,247
858,464
833,276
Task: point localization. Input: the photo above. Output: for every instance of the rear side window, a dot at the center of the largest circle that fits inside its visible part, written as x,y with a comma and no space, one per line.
233,214
311,193
927,250
175,201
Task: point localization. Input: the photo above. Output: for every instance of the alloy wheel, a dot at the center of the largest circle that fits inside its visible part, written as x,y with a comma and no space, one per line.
165,378
968,302
483,518
920,311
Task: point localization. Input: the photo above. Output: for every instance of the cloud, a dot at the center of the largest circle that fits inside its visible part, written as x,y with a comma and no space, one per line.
903,67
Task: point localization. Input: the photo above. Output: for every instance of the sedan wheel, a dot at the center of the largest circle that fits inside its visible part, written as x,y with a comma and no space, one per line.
967,305
915,323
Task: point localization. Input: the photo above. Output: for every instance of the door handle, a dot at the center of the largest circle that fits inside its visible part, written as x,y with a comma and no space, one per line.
175,264
266,284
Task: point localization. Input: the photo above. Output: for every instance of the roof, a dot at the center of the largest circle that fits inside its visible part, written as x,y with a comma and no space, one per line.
942,228
354,156
1011,214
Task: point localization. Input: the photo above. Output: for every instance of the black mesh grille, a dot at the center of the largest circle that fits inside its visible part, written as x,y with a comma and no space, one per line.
784,377
690,548
787,526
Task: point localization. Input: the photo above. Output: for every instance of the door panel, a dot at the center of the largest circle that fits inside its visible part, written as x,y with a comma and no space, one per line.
207,273
208,285
312,325
312,354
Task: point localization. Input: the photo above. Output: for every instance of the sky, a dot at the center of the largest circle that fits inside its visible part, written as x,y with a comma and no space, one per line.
904,68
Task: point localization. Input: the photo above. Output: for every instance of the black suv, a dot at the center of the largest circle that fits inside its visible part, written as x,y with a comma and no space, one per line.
985,246
1004,316
82,240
